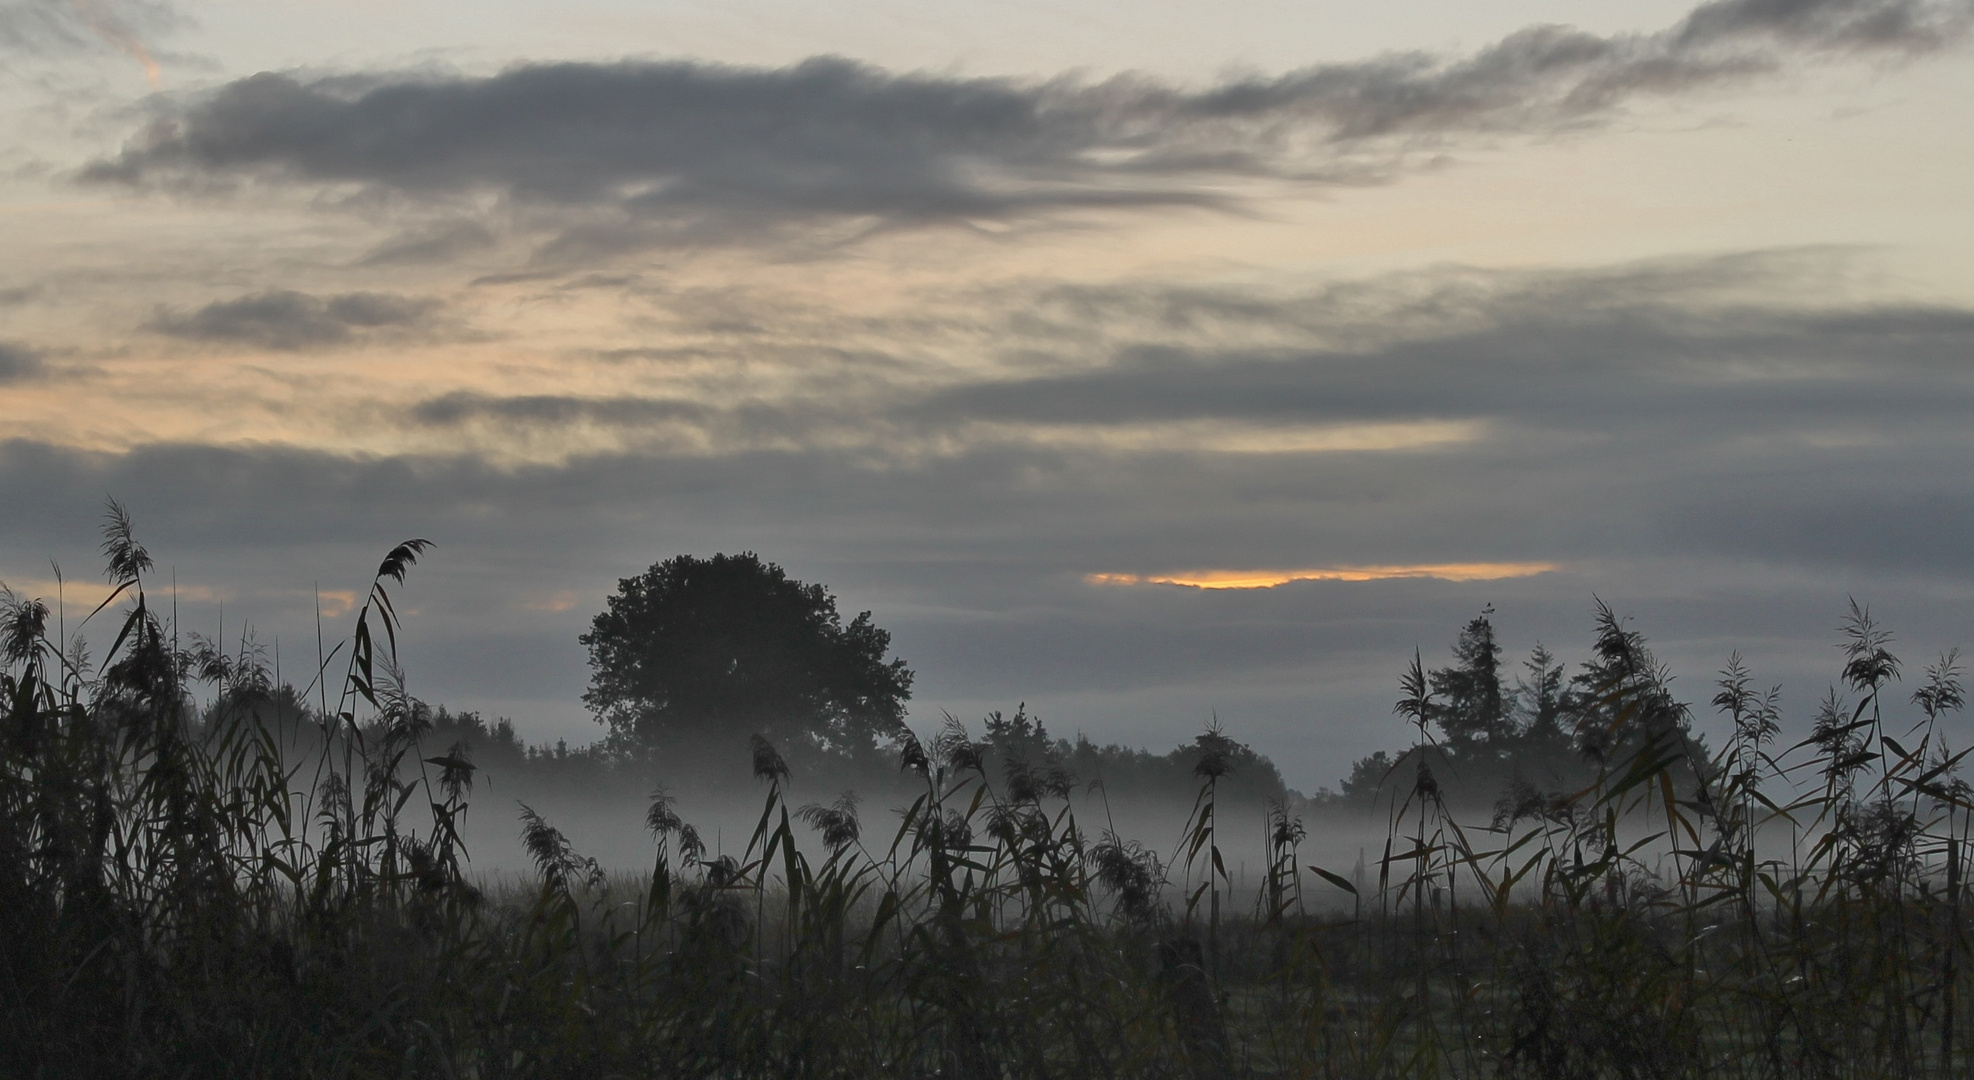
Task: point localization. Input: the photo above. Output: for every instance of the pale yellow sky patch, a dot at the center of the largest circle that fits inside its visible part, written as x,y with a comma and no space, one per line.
86,593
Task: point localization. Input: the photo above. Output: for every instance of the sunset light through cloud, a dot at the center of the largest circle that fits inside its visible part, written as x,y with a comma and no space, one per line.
1268,579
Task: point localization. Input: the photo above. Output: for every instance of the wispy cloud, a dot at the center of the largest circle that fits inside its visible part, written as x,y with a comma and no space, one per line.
1662,358
287,320
1222,436
48,26
635,153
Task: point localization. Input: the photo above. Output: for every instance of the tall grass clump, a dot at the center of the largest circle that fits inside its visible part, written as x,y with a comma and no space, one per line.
207,872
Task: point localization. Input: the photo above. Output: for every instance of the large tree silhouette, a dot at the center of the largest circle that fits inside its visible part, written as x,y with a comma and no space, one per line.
703,651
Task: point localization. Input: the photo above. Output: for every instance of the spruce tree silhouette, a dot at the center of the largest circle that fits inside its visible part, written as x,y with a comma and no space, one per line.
1473,710
704,652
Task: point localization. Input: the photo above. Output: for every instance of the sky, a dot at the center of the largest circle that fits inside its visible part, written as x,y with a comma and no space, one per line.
1146,363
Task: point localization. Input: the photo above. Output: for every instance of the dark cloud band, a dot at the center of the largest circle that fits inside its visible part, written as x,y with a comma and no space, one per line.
696,151
463,407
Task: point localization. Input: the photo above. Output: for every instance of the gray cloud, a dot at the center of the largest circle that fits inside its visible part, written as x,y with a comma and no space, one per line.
18,363
1635,367
686,151
288,320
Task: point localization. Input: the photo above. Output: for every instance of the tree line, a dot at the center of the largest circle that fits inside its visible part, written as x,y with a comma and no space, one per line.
1488,735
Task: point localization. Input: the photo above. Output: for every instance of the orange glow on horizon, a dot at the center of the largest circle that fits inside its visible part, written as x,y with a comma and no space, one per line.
1268,579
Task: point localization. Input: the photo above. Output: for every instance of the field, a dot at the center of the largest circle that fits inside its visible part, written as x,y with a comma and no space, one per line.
184,893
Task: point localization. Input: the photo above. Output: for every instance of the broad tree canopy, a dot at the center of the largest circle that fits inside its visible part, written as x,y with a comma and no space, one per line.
704,651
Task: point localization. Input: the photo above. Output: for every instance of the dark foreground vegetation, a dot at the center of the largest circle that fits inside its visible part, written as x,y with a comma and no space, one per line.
183,892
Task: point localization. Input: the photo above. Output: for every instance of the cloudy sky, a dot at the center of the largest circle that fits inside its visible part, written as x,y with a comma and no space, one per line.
1140,361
